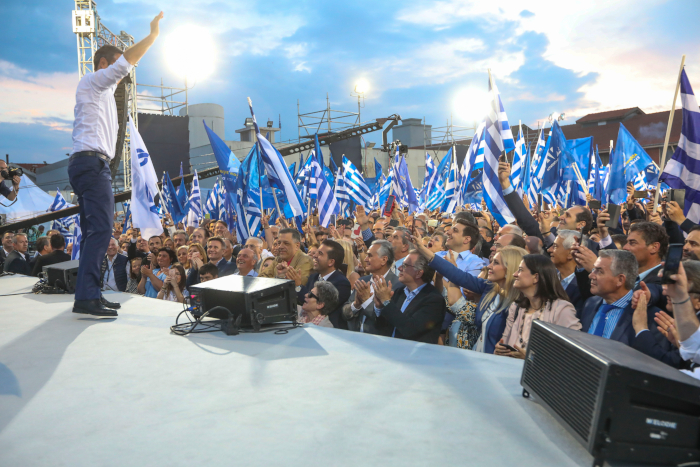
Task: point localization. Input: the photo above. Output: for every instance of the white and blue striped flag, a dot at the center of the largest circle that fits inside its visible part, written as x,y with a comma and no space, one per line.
494,146
211,206
277,171
64,224
355,184
517,170
221,203
194,216
327,204
536,171
683,170
452,186
341,193
429,178
77,238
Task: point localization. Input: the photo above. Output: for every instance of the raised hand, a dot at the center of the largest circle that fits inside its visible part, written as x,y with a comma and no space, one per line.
667,326
584,257
155,25
382,290
603,217
643,290
639,318
294,275
422,249
363,290
504,174
450,256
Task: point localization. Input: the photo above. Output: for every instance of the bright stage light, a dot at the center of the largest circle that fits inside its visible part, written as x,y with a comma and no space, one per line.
361,86
472,104
190,52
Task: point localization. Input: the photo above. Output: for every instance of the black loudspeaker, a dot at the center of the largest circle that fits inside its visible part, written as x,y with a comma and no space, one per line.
62,275
619,403
256,300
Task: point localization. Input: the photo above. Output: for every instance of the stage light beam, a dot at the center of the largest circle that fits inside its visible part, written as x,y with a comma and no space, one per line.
190,52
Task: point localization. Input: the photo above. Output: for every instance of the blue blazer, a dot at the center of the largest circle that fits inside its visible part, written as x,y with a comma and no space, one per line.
497,324
120,277
624,331
572,290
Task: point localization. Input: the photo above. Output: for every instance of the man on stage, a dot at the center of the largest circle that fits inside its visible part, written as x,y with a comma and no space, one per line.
94,143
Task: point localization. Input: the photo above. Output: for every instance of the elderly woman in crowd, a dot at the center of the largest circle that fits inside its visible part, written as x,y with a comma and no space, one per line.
542,297
132,286
497,292
173,289
322,299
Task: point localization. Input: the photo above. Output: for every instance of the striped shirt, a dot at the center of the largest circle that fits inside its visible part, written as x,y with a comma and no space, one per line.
612,317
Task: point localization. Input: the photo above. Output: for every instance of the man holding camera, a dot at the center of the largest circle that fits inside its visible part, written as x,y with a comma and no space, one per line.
5,174
94,142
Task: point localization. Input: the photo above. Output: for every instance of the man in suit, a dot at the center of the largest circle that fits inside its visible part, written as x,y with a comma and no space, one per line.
608,313
6,248
58,243
290,255
114,268
414,311
329,256
18,261
43,248
215,251
359,309
563,259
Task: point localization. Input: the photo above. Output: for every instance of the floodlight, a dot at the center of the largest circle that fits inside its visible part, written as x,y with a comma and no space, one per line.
190,52
361,86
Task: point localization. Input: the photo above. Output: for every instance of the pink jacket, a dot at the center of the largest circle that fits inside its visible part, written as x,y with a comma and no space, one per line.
559,312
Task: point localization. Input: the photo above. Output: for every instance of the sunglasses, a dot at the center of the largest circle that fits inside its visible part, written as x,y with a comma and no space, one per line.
312,295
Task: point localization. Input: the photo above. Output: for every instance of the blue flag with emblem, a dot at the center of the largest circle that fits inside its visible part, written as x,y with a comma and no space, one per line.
636,159
144,187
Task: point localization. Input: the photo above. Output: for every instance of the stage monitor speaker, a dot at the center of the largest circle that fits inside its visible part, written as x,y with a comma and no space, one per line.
62,275
619,403
257,300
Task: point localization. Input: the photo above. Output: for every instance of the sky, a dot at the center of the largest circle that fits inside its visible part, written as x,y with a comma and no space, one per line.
419,59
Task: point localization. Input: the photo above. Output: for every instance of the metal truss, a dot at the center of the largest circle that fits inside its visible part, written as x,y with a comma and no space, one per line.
91,34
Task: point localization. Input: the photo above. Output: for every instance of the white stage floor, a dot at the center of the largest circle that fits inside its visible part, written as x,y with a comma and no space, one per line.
79,391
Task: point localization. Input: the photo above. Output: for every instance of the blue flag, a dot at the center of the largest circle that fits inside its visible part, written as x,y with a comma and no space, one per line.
175,208
229,165
635,157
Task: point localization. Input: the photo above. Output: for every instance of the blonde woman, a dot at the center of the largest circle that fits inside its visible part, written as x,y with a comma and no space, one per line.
349,260
497,291
196,256
182,257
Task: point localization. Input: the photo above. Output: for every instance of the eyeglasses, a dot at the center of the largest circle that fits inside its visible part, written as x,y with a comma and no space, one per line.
404,266
312,295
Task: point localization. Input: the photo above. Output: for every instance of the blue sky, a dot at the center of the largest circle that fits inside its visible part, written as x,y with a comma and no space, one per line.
420,59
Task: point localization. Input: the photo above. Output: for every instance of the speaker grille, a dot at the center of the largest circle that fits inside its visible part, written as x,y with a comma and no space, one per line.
564,380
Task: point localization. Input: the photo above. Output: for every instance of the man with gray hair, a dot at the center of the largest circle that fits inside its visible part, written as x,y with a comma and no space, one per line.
608,313
359,309
401,243
18,261
563,258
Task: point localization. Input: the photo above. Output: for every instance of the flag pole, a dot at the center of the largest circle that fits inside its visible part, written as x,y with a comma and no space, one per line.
668,132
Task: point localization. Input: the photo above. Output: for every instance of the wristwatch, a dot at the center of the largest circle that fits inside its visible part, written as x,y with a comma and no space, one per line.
385,303
297,288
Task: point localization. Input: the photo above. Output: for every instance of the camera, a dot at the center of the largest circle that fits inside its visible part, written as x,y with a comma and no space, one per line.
11,173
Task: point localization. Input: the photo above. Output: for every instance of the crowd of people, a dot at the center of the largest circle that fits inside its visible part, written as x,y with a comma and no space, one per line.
459,280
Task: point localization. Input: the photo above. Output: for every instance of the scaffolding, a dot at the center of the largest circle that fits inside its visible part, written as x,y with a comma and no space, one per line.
165,103
326,121
91,34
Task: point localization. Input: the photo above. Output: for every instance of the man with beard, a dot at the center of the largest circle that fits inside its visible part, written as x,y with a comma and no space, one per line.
691,249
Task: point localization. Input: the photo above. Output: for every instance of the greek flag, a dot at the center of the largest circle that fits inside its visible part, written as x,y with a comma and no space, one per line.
277,171
428,179
536,171
386,188
408,193
194,216
62,225
683,170
501,121
517,171
341,194
327,204
452,187
494,145
144,187
127,218
77,239
355,184
211,207
221,203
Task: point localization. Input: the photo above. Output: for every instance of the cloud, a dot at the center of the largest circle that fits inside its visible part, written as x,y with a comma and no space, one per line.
619,44
44,98
301,66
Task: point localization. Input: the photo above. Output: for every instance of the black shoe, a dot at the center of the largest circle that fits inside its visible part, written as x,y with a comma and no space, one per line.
114,305
92,307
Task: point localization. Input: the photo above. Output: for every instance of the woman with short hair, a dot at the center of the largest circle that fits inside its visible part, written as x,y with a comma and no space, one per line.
322,299
132,286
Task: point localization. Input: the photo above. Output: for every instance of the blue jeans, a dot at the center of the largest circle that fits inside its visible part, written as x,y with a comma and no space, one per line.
92,183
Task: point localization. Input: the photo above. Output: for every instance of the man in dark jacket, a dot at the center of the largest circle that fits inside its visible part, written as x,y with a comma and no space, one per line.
58,243
113,270
416,310
18,261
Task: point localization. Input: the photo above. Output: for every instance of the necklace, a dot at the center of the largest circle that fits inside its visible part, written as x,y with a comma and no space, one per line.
523,344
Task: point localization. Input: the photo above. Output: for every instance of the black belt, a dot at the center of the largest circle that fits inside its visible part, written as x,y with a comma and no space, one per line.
91,154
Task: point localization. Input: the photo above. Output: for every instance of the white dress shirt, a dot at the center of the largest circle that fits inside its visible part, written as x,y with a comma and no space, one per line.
95,127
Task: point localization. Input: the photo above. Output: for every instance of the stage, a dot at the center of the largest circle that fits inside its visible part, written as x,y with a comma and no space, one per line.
83,391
